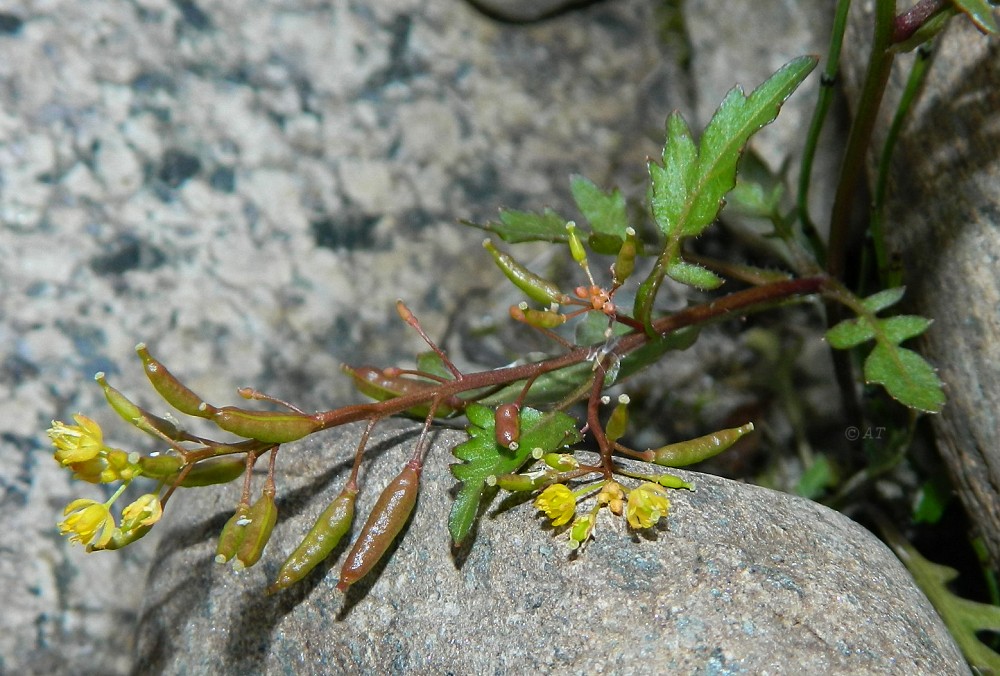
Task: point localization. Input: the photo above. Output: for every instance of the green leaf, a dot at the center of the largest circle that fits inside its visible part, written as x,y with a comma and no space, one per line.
548,388
906,376
526,226
688,189
964,618
651,352
693,275
606,212
980,12
883,299
592,327
903,327
696,190
850,333
431,362
817,478
932,499
483,457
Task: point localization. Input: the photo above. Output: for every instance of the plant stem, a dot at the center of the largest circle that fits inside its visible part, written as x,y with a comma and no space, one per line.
735,304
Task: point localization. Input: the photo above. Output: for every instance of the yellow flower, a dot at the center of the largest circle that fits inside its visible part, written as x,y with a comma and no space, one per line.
647,504
145,511
76,443
558,503
84,518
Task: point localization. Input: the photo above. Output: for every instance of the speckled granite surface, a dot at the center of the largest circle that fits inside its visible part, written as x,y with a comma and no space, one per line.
247,185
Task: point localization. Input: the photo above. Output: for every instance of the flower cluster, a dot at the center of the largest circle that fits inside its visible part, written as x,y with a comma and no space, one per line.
642,506
81,449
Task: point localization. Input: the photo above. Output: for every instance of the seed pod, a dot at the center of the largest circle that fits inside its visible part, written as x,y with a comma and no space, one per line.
624,264
373,382
326,533
702,448
562,462
534,287
232,534
160,466
211,472
520,482
120,539
172,390
507,423
671,481
263,515
387,518
542,319
272,427
576,245
618,422
135,415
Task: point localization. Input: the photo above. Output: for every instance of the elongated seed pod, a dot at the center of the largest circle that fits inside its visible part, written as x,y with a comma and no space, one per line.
695,450
272,427
121,539
520,482
373,382
624,264
534,287
172,390
263,515
542,319
562,462
507,424
160,466
232,534
211,472
326,533
576,245
618,422
138,416
387,518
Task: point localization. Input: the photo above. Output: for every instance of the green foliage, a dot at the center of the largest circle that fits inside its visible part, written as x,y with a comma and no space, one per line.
483,457
690,187
964,618
980,12
906,376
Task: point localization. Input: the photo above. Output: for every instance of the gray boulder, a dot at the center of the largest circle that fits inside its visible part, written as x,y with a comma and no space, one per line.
744,580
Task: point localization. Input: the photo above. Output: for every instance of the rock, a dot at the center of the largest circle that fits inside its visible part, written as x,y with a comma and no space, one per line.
744,580
248,186
942,218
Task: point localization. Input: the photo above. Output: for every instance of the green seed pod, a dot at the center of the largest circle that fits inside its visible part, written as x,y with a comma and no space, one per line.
232,534
326,533
671,481
507,424
387,518
624,264
373,382
542,319
576,245
702,448
137,416
645,296
160,466
211,472
618,422
172,390
272,427
562,462
121,539
521,482
263,515
534,287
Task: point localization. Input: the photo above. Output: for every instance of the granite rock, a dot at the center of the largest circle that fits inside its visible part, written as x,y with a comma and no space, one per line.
744,580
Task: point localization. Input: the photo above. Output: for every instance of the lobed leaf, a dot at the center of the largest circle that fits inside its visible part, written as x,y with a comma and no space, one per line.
483,457
850,333
526,226
903,327
906,376
606,212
